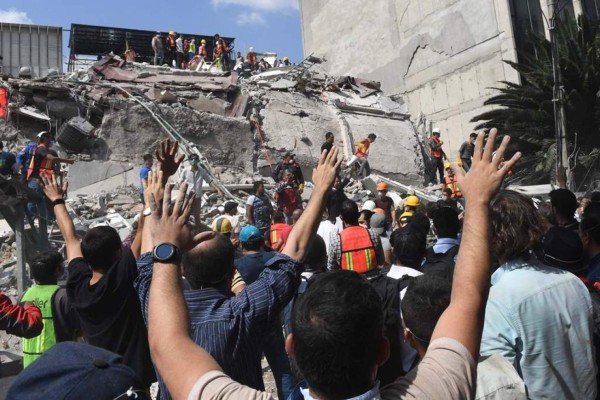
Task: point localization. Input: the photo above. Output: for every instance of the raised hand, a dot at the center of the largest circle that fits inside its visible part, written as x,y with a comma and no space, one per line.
51,187
154,186
485,177
325,173
167,156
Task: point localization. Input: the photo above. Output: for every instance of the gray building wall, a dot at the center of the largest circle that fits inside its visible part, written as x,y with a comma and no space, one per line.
443,56
35,46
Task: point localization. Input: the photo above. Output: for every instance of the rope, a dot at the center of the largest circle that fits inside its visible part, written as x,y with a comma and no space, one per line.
262,142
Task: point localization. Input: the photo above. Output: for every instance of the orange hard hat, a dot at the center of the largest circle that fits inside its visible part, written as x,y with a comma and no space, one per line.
382,186
379,211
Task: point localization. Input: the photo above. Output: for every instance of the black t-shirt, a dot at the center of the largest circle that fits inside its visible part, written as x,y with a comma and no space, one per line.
326,146
40,154
386,204
110,312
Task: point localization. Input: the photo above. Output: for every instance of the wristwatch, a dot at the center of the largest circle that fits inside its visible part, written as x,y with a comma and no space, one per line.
166,253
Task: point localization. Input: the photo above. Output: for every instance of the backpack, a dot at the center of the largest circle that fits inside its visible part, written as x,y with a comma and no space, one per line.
24,157
441,264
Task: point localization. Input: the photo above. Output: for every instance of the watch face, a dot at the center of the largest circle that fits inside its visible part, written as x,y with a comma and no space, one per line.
164,251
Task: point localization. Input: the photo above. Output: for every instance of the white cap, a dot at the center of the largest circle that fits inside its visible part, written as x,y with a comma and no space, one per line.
437,130
369,206
251,48
42,133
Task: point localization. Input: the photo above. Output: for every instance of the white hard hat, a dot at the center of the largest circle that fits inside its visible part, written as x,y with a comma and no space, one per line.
437,130
42,133
251,48
369,206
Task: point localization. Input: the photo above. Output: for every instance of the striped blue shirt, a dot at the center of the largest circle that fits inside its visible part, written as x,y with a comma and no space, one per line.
231,328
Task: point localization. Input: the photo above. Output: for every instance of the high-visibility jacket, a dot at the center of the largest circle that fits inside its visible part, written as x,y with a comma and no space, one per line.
171,41
453,185
436,153
276,231
192,48
45,164
362,148
358,250
41,296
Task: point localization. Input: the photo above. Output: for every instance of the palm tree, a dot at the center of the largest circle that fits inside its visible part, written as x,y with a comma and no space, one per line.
525,110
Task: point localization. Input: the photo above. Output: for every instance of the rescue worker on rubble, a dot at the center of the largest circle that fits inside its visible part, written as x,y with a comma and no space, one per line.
355,248
191,49
159,49
202,50
224,52
195,176
286,62
42,164
217,59
437,156
361,154
411,203
172,48
288,162
386,203
465,153
251,57
287,195
450,182
180,52
328,144
263,65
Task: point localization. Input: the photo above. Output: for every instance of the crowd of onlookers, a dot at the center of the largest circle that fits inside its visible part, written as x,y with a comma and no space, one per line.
381,301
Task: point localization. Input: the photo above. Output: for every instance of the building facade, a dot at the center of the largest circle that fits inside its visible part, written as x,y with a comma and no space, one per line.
444,57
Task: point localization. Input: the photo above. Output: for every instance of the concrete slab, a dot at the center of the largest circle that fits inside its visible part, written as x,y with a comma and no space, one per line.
86,173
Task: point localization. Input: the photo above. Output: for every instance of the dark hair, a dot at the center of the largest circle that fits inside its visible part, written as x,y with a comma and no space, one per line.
446,223
420,222
426,299
100,247
372,136
253,244
1,145
44,265
473,135
278,217
349,212
590,223
328,135
257,185
316,255
368,214
211,264
595,197
564,201
147,157
337,325
410,244
431,208
517,226
448,191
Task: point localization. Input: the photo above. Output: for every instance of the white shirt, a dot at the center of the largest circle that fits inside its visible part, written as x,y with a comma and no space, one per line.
179,43
195,180
326,228
233,219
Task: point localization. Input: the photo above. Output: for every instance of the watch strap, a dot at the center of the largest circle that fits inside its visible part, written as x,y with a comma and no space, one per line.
57,202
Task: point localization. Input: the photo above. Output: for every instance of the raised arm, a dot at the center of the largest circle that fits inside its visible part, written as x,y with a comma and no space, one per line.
54,192
24,321
306,227
463,319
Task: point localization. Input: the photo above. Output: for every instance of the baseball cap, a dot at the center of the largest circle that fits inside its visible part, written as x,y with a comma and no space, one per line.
72,371
378,223
248,233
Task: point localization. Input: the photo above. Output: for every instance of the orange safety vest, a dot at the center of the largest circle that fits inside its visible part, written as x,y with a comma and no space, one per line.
171,41
452,184
359,153
276,231
436,153
358,250
45,165
3,103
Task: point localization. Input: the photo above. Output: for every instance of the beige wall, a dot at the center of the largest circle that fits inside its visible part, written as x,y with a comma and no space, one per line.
443,56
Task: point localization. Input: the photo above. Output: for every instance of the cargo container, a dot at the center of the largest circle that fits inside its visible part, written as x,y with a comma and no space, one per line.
35,46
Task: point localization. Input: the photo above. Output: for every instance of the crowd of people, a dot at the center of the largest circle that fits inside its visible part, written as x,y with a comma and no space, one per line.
483,294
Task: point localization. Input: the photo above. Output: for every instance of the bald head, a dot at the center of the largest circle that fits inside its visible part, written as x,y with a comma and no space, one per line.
209,264
296,215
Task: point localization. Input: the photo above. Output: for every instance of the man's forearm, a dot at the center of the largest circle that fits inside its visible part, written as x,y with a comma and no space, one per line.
306,227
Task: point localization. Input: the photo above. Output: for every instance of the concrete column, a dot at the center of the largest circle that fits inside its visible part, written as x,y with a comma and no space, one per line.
578,7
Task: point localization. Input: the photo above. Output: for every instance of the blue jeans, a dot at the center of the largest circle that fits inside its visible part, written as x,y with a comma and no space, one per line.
274,350
37,209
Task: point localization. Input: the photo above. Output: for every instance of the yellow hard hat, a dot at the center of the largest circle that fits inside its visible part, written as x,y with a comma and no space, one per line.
222,226
412,201
406,216
171,33
286,59
447,165
203,41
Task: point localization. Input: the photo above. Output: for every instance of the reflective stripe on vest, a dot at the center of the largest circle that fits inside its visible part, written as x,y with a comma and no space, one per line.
452,184
436,153
41,296
45,164
276,231
358,251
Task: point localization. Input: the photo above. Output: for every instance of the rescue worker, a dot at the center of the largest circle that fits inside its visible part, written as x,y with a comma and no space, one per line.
224,53
191,49
217,59
450,182
411,203
361,154
465,153
180,52
288,162
159,49
202,50
437,156
60,322
328,144
251,57
355,248
172,48
286,62
277,228
386,204
287,195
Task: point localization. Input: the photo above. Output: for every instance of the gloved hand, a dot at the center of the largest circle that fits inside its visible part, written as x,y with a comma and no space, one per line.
301,188
460,163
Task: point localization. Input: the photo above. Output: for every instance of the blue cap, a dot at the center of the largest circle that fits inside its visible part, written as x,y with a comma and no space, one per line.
71,370
248,233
